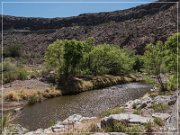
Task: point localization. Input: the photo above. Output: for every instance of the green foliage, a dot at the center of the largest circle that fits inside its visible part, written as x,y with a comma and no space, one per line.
12,72
154,61
138,112
160,107
153,58
110,111
22,74
13,50
106,59
116,126
73,53
163,58
72,57
54,56
34,99
158,121
64,56
134,130
6,119
172,56
138,64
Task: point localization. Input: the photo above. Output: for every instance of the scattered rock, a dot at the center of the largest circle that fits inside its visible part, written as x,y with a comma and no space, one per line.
162,116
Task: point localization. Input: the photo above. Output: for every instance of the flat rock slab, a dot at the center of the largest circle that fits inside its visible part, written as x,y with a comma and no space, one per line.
130,118
162,116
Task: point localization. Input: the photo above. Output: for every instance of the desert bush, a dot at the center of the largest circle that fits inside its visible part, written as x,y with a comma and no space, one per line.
106,59
134,130
115,110
138,112
116,126
34,99
22,74
160,107
6,119
13,50
158,121
12,96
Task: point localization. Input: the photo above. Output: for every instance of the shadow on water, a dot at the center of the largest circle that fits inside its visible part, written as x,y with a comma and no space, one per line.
90,103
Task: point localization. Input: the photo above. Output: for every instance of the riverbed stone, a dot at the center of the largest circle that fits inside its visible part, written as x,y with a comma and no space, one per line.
162,116
130,118
72,119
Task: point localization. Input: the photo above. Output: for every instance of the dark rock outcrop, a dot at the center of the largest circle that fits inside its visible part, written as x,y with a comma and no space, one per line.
132,28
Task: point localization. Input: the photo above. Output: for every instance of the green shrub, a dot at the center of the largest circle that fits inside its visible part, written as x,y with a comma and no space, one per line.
148,127
22,74
13,50
158,121
34,99
160,107
134,130
134,106
116,126
137,112
115,110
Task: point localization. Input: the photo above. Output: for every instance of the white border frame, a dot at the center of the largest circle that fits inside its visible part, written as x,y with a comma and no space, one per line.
2,48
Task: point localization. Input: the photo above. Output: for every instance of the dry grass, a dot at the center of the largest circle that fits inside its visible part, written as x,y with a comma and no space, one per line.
98,82
26,94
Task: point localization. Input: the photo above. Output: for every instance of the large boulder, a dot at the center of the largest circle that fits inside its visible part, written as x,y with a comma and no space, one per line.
162,116
130,118
72,119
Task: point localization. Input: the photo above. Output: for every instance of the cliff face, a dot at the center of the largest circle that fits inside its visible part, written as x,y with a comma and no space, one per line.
132,28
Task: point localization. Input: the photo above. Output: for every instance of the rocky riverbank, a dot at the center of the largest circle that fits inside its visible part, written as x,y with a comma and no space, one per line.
149,114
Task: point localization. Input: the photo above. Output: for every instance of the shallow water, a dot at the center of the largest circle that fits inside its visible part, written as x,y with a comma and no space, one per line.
90,103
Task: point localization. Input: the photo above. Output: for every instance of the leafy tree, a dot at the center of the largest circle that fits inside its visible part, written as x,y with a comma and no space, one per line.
64,56
73,53
172,55
54,56
106,59
138,64
154,61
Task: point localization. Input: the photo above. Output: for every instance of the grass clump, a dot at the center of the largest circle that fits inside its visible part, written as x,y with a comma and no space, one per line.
6,119
32,96
134,130
138,112
116,126
34,99
123,126
148,127
160,107
115,110
158,121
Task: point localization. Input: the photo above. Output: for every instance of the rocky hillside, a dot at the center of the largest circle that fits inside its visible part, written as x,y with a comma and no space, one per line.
132,28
